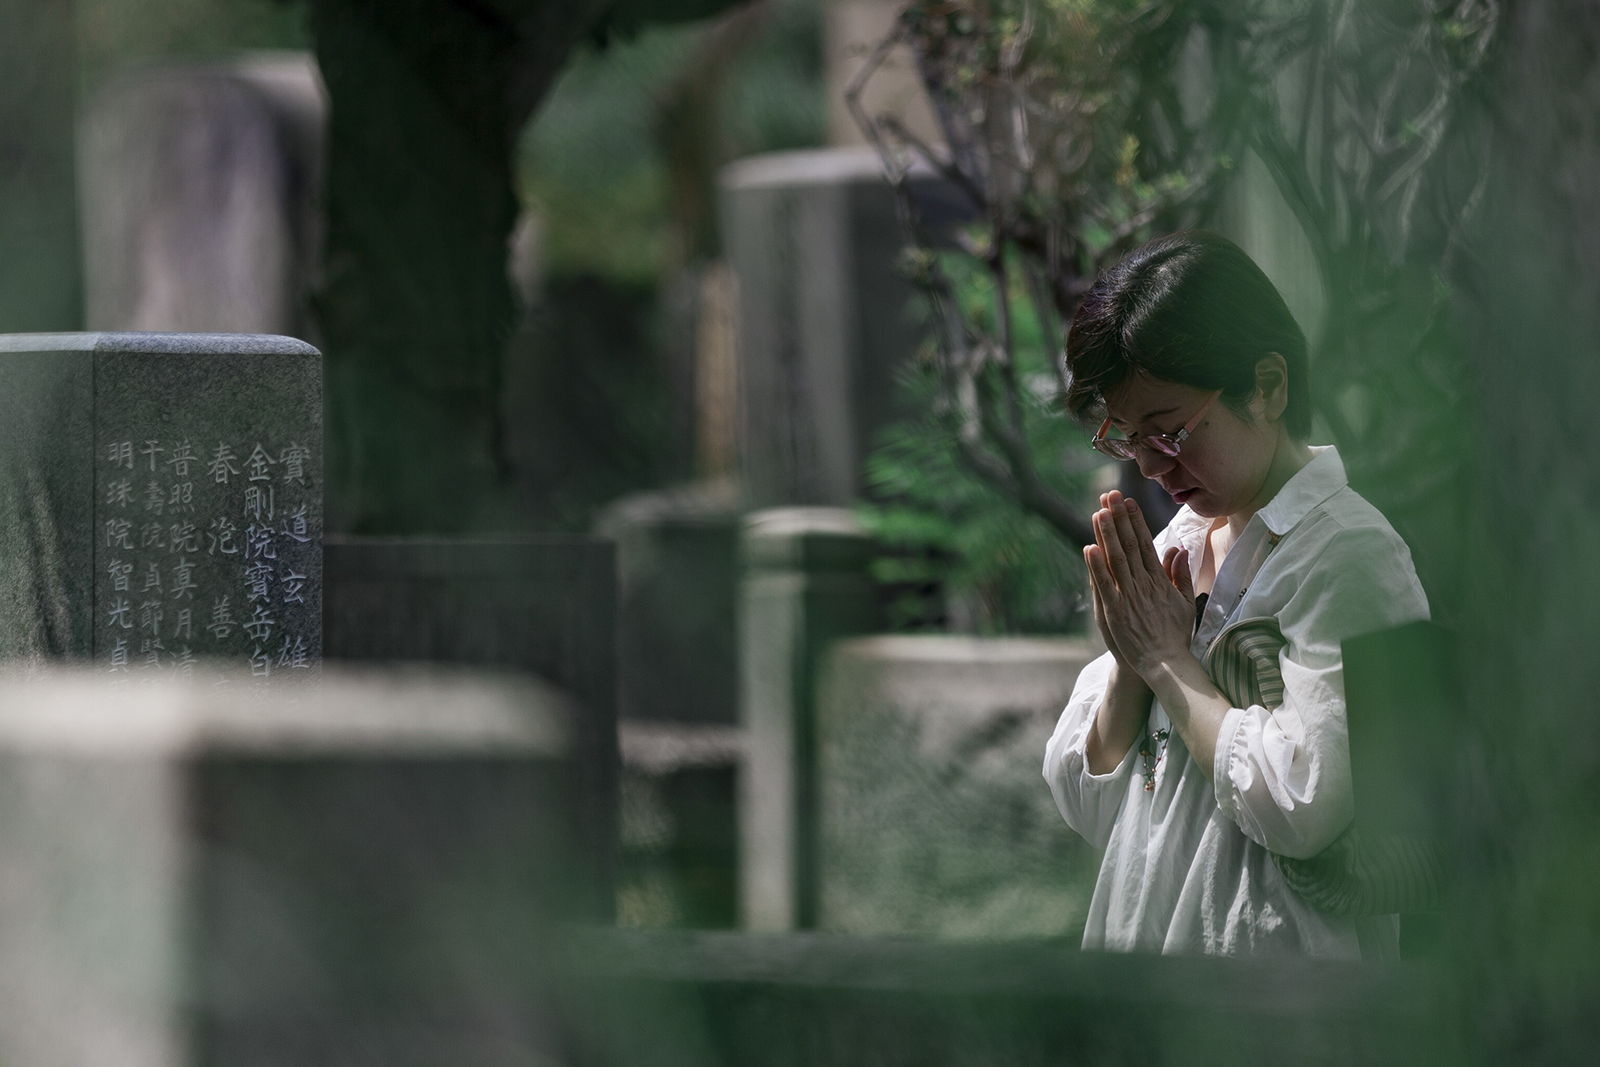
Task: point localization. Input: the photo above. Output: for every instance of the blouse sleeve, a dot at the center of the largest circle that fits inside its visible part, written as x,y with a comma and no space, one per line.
1284,775
1089,802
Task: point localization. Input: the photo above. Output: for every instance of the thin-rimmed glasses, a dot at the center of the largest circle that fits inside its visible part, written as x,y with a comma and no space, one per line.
1166,444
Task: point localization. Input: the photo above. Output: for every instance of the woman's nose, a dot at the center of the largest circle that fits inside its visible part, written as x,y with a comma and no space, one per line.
1152,464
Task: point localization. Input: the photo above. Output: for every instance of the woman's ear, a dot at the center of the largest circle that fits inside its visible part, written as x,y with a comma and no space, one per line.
1272,387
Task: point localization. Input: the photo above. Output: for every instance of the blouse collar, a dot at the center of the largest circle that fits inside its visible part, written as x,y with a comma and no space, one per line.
1310,486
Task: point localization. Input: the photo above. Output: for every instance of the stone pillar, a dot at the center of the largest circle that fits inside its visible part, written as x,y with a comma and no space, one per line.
806,584
200,191
825,319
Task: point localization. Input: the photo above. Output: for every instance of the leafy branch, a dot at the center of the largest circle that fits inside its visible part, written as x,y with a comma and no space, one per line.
1062,125
1077,128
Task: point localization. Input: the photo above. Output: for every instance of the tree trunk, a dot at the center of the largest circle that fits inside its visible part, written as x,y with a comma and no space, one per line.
427,98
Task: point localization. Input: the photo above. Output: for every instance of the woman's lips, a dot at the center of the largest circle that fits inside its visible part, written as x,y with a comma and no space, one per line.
1182,495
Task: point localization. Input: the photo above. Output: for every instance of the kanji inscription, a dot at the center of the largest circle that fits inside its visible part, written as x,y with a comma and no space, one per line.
205,546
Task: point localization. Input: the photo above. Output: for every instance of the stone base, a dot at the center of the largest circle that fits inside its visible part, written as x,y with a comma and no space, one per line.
933,816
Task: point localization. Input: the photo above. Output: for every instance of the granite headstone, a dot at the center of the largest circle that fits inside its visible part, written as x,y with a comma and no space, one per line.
362,870
161,502
200,190
826,320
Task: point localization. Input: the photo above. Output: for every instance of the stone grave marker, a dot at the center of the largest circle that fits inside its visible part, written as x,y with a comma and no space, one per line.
363,870
161,502
825,319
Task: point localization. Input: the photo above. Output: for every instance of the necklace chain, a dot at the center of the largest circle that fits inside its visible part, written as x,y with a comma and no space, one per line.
1152,760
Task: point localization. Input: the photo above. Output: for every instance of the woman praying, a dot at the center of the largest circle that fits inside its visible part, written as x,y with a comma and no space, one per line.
1197,370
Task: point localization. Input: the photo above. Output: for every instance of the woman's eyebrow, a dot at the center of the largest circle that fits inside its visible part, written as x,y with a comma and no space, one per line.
1152,415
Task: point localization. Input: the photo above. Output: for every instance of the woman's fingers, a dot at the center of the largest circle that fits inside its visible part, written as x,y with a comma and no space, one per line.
1101,580
1128,542
1094,559
1094,563
1111,543
1141,533
1167,559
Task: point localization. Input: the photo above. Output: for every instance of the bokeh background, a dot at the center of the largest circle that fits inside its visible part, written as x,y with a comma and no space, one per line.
725,336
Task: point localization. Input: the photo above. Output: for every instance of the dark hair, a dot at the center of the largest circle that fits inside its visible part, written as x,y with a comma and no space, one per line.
1190,308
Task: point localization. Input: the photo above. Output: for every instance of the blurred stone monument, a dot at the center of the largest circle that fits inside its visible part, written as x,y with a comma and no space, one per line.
806,584
678,703
677,588
362,869
852,30
161,502
543,606
825,319
200,188
932,818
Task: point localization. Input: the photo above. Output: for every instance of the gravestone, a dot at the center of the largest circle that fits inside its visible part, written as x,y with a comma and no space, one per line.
678,861
161,502
677,596
361,870
825,318
201,186
40,283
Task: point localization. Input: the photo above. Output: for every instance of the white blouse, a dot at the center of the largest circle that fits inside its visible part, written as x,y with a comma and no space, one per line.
1187,866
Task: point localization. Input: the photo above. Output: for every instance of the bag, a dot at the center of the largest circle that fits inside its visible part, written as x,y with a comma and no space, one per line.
1358,874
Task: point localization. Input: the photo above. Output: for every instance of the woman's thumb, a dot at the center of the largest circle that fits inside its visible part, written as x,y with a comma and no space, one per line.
1182,576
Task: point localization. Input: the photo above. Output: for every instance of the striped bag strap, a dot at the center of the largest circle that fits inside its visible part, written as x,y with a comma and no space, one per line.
1358,874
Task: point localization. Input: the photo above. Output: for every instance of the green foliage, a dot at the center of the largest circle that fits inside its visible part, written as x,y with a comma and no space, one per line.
592,161
944,525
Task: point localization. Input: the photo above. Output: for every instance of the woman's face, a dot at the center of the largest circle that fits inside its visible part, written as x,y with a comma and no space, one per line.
1222,466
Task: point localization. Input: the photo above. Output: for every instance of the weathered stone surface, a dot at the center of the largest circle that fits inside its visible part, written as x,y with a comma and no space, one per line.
200,191
677,596
187,877
806,584
161,501
825,318
932,815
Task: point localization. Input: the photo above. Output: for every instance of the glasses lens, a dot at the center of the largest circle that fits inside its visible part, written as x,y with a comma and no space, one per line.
1116,449
1163,443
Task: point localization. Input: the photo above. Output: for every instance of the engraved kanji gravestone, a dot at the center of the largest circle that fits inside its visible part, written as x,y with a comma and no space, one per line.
161,501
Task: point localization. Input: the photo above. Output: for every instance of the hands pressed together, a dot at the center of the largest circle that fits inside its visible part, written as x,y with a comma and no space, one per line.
1143,605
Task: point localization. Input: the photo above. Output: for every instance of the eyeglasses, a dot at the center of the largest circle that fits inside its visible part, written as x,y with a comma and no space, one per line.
1167,444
